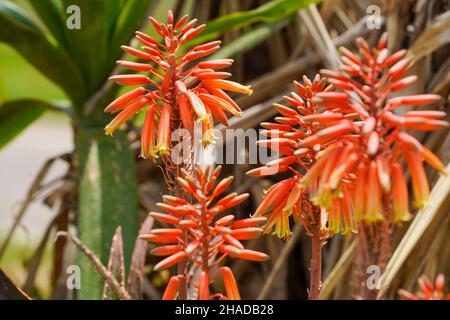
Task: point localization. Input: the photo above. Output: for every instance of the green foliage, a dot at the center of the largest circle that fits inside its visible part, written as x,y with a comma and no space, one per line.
16,115
271,12
107,199
19,31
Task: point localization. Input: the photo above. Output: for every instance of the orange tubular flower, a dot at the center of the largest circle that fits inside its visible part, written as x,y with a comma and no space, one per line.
427,290
370,155
202,236
301,135
174,92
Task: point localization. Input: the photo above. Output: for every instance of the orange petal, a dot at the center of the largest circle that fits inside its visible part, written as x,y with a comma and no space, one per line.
203,286
171,290
197,106
419,99
148,134
419,179
232,250
230,284
399,194
125,114
137,53
170,261
253,255
167,232
162,217
249,222
166,250
130,79
274,196
124,99
246,233
185,113
162,147
384,174
327,134
134,65
433,160
233,241
159,239
374,204
215,64
228,86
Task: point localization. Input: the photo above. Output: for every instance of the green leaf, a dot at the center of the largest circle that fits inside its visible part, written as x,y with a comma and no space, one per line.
271,12
246,41
108,198
52,18
16,116
129,20
89,44
51,60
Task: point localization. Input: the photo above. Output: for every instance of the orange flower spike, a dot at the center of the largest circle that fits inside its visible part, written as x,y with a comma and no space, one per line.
399,194
198,233
173,70
368,78
231,287
172,288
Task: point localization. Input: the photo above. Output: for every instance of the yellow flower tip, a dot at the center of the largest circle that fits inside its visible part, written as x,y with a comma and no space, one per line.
162,151
109,131
421,204
143,156
249,90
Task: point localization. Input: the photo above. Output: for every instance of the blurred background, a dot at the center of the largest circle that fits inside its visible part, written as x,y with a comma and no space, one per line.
53,89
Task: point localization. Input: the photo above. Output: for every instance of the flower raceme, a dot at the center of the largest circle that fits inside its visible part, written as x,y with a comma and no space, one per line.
203,235
428,291
301,134
370,149
174,89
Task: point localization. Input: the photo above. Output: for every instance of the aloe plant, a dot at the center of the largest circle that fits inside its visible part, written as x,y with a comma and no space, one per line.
79,61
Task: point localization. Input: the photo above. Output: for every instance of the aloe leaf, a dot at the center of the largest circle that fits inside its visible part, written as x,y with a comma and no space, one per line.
20,32
108,198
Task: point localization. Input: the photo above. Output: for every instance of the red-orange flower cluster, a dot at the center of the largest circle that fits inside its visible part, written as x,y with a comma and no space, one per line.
202,236
371,151
174,92
428,291
301,134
